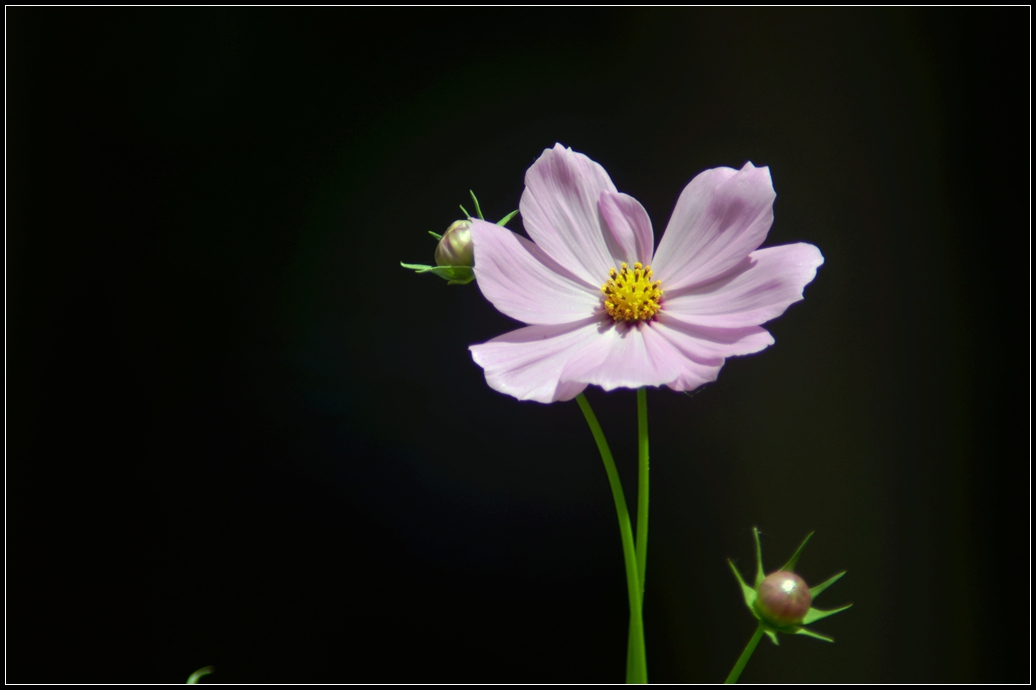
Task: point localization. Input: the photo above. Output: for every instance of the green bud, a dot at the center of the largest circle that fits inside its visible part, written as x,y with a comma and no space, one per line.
455,248
783,599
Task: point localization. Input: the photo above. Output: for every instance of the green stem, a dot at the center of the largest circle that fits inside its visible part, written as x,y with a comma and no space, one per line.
642,487
200,673
636,669
735,672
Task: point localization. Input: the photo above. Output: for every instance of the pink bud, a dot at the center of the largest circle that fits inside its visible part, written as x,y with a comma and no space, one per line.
783,599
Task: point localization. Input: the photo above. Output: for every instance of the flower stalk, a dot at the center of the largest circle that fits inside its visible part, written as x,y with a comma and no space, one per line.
742,660
643,486
636,661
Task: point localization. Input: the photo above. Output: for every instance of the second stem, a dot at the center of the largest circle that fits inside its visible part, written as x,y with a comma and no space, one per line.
643,487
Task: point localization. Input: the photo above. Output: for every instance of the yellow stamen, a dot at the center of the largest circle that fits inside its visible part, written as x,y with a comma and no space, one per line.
630,295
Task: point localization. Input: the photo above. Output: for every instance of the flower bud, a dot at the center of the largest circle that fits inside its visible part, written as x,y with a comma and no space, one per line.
455,248
783,599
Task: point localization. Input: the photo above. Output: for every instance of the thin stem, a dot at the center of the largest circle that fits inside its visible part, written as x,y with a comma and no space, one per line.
642,487
636,669
735,672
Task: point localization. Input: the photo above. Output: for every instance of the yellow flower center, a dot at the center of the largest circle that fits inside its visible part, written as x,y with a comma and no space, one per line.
629,295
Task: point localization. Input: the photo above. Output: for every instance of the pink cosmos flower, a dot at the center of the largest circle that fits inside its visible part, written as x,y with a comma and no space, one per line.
605,308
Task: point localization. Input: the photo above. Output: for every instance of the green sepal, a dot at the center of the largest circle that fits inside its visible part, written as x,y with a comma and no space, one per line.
810,633
477,209
814,615
759,577
456,275
789,567
465,212
197,675
435,235
773,636
503,221
749,593
814,592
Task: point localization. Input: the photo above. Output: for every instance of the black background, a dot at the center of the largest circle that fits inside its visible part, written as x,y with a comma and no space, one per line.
238,433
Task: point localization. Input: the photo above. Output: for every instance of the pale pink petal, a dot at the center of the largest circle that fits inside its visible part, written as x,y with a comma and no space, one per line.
528,363
522,282
629,226
698,353
721,217
559,211
707,343
758,290
694,374
624,356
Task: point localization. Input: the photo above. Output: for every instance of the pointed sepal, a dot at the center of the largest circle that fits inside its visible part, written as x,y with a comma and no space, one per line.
758,558
814,615
793,561
503,221
746,591
810,633
456,275
477,209
815,591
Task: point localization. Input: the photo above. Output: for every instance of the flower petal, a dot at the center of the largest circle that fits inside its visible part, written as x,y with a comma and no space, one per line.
721,217
528,363
758,290
694,374
522,282
630,227
623,356
707,343
559,211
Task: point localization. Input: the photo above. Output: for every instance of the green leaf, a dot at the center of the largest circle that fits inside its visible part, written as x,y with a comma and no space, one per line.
466,214
477,209
435,235
810,633
790,565
503,221
204,671
759,577
420,268
814,592
746,591
814,615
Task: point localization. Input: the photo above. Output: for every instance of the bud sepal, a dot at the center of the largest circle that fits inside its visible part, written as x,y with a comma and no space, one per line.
779,601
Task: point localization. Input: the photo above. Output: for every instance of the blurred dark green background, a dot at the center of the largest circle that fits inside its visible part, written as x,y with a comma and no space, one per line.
238,433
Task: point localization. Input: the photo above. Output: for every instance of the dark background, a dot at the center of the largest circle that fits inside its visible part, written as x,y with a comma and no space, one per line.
238,433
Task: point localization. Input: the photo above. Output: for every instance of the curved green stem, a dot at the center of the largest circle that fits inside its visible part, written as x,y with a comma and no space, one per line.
200,673
735,672
636,669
